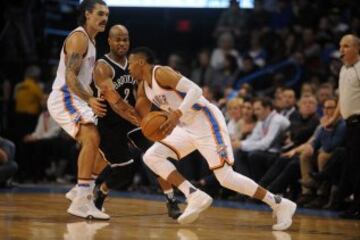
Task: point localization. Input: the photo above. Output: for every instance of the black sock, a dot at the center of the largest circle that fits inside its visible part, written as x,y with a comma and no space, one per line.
105,173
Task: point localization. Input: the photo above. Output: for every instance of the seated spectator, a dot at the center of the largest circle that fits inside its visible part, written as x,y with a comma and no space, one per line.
8,166
245,91
301,129
289,104
303,123
28,95
325,142
232,20
37,146
225,46
248,67
246,124
265,141
308,88
256,51
324,92
202,75
224,77
234,114
288,166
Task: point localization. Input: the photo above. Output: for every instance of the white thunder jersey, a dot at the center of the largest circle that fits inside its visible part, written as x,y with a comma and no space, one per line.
86,68
170,100
202,127
69,110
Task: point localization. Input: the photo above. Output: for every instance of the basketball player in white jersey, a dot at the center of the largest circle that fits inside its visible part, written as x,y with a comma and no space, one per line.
72,104
193,123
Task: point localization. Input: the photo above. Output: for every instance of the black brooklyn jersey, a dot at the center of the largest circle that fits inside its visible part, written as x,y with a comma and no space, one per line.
125,85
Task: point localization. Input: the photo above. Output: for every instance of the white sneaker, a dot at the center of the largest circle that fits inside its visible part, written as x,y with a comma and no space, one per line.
71,194
197,202
284,212
83,206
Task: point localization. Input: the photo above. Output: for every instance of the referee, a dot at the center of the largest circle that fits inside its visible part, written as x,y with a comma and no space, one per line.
349,109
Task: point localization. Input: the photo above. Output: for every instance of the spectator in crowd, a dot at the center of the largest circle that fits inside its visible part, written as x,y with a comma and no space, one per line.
256,51
248,67
326,141
324,92
225,46
234,114
225,77
176,61
308,88
301,129
246,123
304,123
232,20
28,96
39,146
245,91
8,166
264,142
289,104
203,73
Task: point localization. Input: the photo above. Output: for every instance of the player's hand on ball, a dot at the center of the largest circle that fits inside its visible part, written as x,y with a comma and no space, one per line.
98,106
171,122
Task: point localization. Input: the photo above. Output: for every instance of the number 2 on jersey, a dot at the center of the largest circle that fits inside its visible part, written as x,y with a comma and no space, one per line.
127,93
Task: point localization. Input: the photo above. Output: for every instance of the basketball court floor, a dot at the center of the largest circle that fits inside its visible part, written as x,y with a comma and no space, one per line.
39,212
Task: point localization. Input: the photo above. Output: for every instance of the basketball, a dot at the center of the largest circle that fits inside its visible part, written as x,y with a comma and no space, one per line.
150,125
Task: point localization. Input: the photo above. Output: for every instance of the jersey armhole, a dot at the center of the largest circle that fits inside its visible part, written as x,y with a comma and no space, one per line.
112,69
166,88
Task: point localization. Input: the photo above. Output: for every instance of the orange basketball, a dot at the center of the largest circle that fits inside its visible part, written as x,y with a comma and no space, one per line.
150,125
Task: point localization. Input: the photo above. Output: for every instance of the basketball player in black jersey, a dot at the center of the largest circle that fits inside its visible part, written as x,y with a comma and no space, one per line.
114,83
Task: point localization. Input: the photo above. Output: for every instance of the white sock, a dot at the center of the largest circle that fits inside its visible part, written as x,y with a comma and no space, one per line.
83,189
186,188
169,193
271,199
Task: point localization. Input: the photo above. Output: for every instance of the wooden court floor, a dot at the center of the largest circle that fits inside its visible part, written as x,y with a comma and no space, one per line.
43,216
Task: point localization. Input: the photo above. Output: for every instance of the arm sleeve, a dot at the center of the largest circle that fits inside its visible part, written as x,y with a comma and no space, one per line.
193,93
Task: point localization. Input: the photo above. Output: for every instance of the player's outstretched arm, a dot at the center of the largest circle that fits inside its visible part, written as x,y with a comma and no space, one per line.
102,75
75,48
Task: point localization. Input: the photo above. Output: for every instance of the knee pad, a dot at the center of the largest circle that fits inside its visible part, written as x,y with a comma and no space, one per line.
223,174
156,159
230,179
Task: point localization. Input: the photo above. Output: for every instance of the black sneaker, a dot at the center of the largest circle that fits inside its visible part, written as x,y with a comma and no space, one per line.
99,197
173,209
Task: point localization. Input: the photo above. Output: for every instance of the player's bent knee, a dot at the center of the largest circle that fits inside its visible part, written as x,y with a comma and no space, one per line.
158,163
223,174
89,136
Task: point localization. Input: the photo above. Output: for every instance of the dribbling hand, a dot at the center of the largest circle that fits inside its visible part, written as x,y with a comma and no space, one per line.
171,122
97,105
